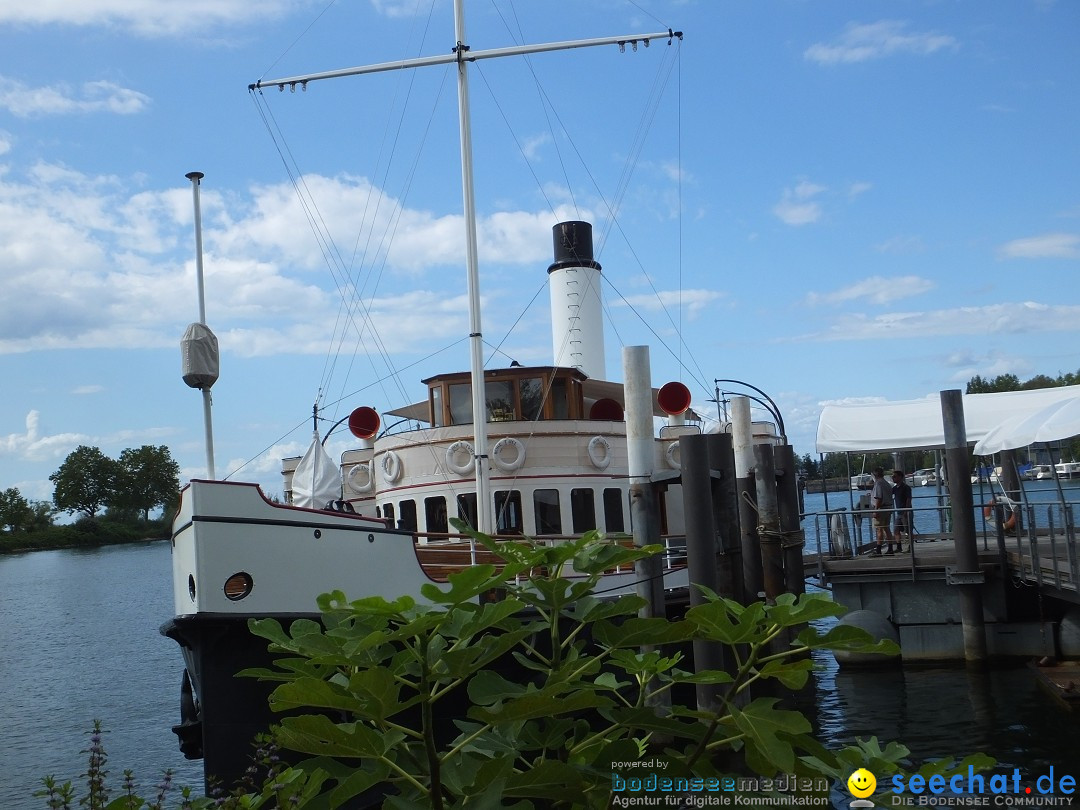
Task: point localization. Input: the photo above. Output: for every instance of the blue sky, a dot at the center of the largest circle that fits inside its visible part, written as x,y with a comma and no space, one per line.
833,201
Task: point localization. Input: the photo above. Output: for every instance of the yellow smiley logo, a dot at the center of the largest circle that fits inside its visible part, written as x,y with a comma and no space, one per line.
861,783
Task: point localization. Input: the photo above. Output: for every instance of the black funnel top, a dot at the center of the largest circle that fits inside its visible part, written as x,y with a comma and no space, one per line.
573,246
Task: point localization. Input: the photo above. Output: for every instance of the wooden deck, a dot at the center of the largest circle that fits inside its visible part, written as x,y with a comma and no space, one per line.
1050,562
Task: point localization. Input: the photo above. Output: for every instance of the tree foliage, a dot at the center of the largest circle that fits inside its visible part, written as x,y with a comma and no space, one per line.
15,511
552,688
148,477
561,686
1010,382
140,480
85,482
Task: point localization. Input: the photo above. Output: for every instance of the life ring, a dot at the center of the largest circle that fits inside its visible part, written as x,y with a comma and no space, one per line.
360,478
671,453
600,452
391,467
452,453
515,462
988,513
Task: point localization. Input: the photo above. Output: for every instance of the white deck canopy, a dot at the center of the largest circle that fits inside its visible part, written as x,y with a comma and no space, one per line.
916,424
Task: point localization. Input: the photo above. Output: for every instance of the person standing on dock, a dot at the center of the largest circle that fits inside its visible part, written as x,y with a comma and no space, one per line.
901,495
881,504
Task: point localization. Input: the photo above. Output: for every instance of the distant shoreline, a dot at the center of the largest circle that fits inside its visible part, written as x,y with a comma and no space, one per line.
69,537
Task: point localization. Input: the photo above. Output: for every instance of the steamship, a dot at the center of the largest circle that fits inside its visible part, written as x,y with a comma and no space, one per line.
376,522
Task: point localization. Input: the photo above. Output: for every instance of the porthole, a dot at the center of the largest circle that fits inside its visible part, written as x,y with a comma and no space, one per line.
191,586
238,586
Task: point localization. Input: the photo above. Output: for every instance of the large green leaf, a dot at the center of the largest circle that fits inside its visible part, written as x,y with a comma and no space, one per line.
538,704
317,734
361,779
465,585
792,674
846,637
550,779
762,724
315,693
488,687
637,632
724,621
790,610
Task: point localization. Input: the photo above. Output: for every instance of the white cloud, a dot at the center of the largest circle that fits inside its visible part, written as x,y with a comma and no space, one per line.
1045,246
797,205
395,8
875,289
32,446
146,17
84,390
901,245
864,41
530,147
87,264
61,99
1004,319
858,188
692,301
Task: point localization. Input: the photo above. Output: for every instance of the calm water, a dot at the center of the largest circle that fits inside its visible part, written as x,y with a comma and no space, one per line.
79,641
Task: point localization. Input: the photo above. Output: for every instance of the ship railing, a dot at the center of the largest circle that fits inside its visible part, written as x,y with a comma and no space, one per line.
1045,552
442,554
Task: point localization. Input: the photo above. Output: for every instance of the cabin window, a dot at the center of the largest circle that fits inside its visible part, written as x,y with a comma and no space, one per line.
560,401
466,508
388,513
407,515
460,404
613,510
438,418
499,397
546,511
508,516
435,515
531,391
582,510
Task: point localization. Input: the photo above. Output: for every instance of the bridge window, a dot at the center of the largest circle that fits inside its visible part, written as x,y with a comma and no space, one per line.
582,510
435,515
508,516
460,404
438,418
613,510
466,508
407,515
546,511
499,398
531,391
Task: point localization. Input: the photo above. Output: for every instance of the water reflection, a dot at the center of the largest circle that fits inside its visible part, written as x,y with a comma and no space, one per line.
949,712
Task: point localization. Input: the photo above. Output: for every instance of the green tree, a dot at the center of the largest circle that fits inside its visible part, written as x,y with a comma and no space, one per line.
85,481
41,515
15,511
148,478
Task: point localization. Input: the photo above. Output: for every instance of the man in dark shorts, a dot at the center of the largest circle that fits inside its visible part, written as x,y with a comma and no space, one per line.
901,495
881,510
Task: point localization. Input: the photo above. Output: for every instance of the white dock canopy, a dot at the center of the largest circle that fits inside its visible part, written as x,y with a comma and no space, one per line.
916,424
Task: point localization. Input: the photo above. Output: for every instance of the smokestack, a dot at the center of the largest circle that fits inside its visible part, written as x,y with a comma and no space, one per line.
577,318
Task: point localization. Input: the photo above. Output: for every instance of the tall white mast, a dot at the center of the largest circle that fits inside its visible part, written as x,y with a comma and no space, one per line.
462,55
485,506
